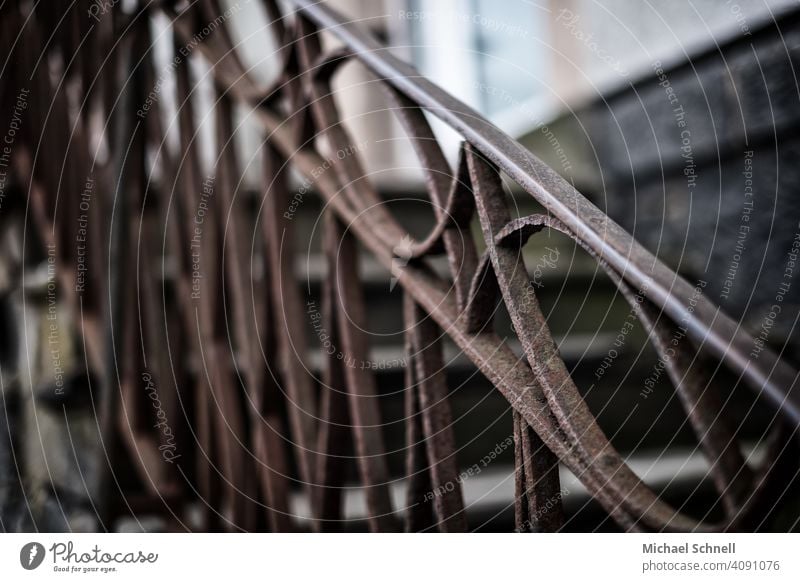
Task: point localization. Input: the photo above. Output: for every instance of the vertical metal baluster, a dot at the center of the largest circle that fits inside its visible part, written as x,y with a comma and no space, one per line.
437,421
334,431
419,509
362,390
522,514
288,317
542,483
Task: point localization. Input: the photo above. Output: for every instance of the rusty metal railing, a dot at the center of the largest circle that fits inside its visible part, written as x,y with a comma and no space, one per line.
175,303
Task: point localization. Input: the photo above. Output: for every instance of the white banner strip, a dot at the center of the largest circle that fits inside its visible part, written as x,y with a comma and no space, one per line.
382,557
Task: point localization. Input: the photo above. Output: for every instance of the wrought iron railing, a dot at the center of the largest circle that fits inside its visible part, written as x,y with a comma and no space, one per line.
161,289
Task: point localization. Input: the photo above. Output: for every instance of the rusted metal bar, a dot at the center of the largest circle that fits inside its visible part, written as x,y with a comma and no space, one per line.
362,393
288,317
334,417
539,480
419,511
437,420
